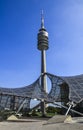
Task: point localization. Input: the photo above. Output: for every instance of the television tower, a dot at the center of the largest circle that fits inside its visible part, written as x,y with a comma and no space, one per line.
43,46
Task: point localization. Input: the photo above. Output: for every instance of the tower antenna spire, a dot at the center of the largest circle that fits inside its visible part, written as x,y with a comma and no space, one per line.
42,19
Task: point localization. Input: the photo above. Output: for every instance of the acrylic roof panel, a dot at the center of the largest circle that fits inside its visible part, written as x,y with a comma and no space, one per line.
31,91
26,91
75,84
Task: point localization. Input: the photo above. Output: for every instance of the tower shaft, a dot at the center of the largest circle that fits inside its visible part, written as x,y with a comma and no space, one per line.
43,79
43,61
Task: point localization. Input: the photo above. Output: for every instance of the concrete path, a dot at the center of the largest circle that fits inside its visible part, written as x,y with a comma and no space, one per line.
34,124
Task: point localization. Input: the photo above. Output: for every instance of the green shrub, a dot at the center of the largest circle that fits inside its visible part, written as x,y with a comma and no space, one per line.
51,109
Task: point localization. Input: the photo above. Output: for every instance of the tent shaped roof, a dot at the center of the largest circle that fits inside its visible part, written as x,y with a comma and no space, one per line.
75,84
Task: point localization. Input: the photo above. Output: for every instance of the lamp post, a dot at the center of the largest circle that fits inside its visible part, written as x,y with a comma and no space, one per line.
43,46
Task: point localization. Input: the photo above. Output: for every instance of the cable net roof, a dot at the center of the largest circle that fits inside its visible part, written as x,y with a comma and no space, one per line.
74,84
31,91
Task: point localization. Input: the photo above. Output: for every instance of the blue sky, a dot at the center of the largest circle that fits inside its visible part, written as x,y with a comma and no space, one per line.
20,20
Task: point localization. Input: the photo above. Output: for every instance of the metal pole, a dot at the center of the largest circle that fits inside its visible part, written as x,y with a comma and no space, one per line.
68,110
55,103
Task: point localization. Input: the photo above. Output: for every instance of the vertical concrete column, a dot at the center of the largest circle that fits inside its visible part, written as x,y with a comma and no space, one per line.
43,79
